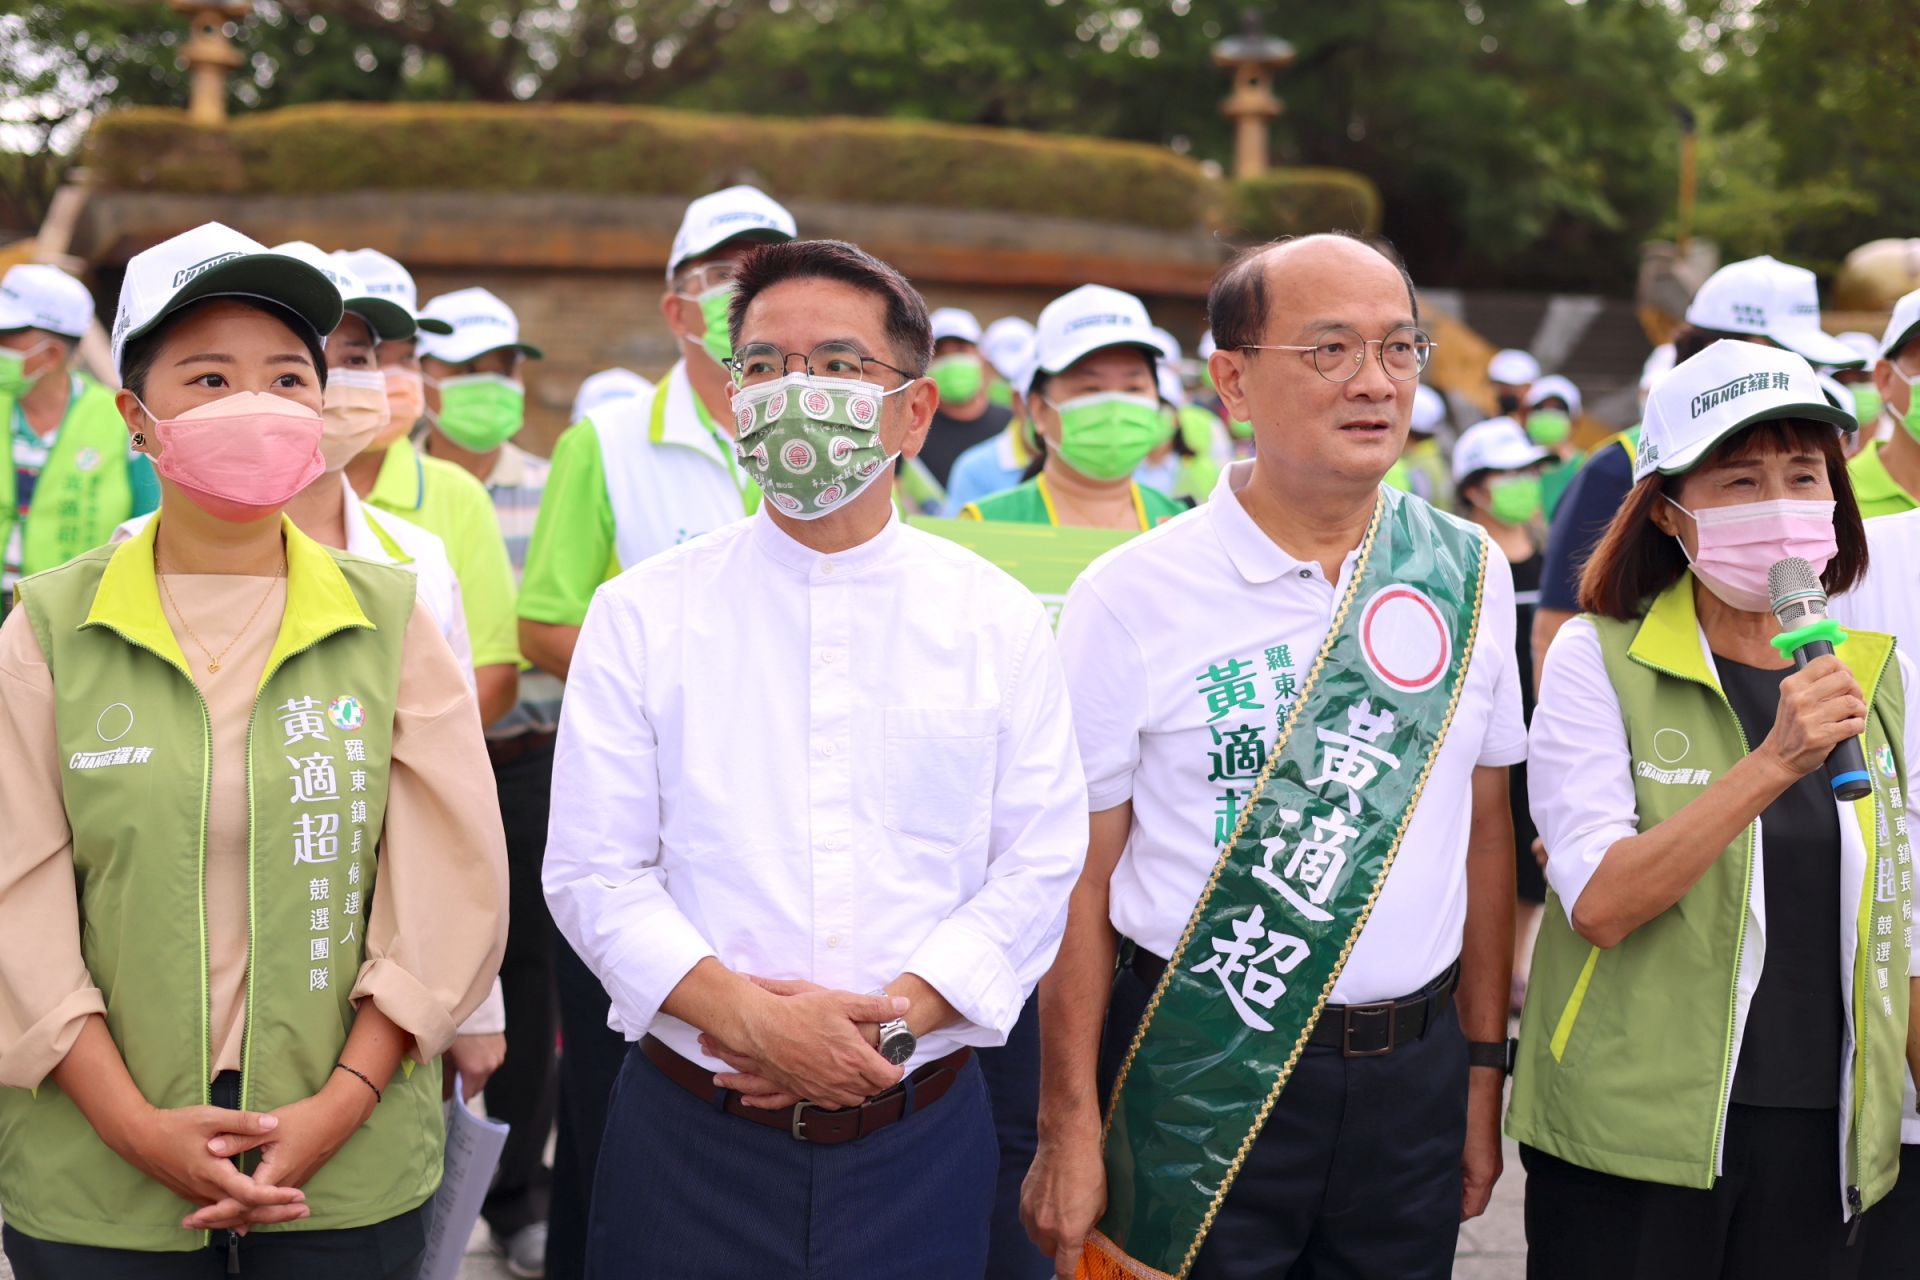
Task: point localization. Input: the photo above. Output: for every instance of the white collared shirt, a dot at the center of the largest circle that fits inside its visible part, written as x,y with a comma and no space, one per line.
835,768
1182,649
419,550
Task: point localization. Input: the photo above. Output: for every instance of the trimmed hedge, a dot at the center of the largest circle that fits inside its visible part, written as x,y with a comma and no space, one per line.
611,150
1298,202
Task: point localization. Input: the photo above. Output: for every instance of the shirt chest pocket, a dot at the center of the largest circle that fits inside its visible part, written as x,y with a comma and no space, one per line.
938,772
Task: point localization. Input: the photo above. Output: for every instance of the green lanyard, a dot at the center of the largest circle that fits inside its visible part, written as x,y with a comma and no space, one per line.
657,432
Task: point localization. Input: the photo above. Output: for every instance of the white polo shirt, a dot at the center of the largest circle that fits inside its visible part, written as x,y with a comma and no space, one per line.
1182,649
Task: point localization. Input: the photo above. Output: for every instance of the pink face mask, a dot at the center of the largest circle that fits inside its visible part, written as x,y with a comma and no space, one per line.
240,457
1739,544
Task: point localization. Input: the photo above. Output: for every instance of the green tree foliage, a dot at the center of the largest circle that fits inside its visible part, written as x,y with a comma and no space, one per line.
1524,141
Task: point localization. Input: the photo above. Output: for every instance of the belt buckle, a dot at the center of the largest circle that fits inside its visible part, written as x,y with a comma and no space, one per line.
1385,1008
799,1126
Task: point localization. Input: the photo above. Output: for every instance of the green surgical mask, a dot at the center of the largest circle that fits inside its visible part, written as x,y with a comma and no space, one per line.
14,381
958,376
1866,403
718,339
1107,435
1514,499
1549,428
481,411
813,444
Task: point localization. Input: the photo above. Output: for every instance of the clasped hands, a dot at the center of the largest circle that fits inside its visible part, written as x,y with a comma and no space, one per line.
796,1041
190,1150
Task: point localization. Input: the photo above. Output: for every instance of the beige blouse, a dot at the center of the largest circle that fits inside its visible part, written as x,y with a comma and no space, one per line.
438,920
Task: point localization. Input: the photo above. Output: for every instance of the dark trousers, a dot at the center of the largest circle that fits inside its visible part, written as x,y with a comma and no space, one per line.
389,1250
591,1054
1774,1214
1356,1174
521,1092
686,1191
1890,1232
1012,1073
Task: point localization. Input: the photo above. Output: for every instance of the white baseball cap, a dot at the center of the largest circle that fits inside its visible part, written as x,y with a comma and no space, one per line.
952,322
478,323
1729,386
1902,326
732,214
1007,344
1086,320
1775,300
1864,345
1498,444
1205,348
215,261
1429,409
387,318
382,277
1837,394
607,386
1167,371
1511,368
1554,386
36,296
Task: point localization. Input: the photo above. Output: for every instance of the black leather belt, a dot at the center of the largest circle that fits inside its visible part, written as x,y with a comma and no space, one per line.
505,751
1356,1030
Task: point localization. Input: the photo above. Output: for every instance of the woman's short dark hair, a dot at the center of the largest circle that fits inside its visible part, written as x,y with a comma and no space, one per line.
1691,340
1636,561
136,361
908,327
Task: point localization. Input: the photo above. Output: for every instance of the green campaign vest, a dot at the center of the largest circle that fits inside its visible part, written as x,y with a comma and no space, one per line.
1030,503
83,492
1627,1054
134,743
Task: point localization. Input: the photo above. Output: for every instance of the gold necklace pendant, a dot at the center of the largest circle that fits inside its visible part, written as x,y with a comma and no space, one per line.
213,666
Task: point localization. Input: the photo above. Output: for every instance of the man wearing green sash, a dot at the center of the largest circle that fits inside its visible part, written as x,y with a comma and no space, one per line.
1297,705
72,479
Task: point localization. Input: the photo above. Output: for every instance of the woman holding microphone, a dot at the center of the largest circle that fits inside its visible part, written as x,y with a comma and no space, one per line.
1713,1051
254,875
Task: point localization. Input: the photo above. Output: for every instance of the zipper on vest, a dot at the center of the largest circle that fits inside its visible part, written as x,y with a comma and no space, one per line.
1740,941
206,786
233,1253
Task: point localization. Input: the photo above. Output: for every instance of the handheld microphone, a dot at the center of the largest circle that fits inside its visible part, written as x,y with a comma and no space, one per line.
1800,607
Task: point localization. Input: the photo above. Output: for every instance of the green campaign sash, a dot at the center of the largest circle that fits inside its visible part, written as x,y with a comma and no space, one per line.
1290,892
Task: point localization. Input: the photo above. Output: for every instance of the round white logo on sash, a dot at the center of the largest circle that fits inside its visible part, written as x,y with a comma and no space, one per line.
863,409
1404,638
816,403
799,457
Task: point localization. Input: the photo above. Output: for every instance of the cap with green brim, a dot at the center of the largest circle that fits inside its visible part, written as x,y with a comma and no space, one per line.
478,322
389,321
215,261
1723,390
382,277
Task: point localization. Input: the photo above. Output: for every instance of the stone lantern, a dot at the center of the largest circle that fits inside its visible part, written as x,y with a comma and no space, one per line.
1252,57
209,55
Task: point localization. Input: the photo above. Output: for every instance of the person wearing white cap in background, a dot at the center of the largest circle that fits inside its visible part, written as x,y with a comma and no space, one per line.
1005,344
1865,396
1715,1040
967,416
1758,300
241,896
1239,434
1094,401
1552,406
1509,374
1498,473
1183,465
1422,468
1886,471
605,387
631,479
996,465
72,477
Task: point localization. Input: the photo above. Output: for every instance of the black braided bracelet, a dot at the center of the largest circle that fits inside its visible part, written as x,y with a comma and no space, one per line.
341,1066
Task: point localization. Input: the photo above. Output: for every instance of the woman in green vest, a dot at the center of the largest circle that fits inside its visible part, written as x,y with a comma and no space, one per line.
1714,1047
1095,408
254,874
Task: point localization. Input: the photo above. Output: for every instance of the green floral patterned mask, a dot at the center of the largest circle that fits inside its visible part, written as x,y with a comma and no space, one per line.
813,444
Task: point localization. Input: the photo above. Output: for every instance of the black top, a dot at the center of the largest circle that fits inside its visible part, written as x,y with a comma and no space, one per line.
1593,497
1528,878
948,438
1795,1027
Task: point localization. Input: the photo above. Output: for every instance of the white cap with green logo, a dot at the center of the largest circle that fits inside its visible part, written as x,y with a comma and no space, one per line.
1726,388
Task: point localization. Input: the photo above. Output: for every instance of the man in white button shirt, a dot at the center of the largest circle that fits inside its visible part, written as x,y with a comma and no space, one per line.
817,810
1297,705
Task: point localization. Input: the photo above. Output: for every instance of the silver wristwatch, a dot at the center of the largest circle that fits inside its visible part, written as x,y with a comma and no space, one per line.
897,1042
